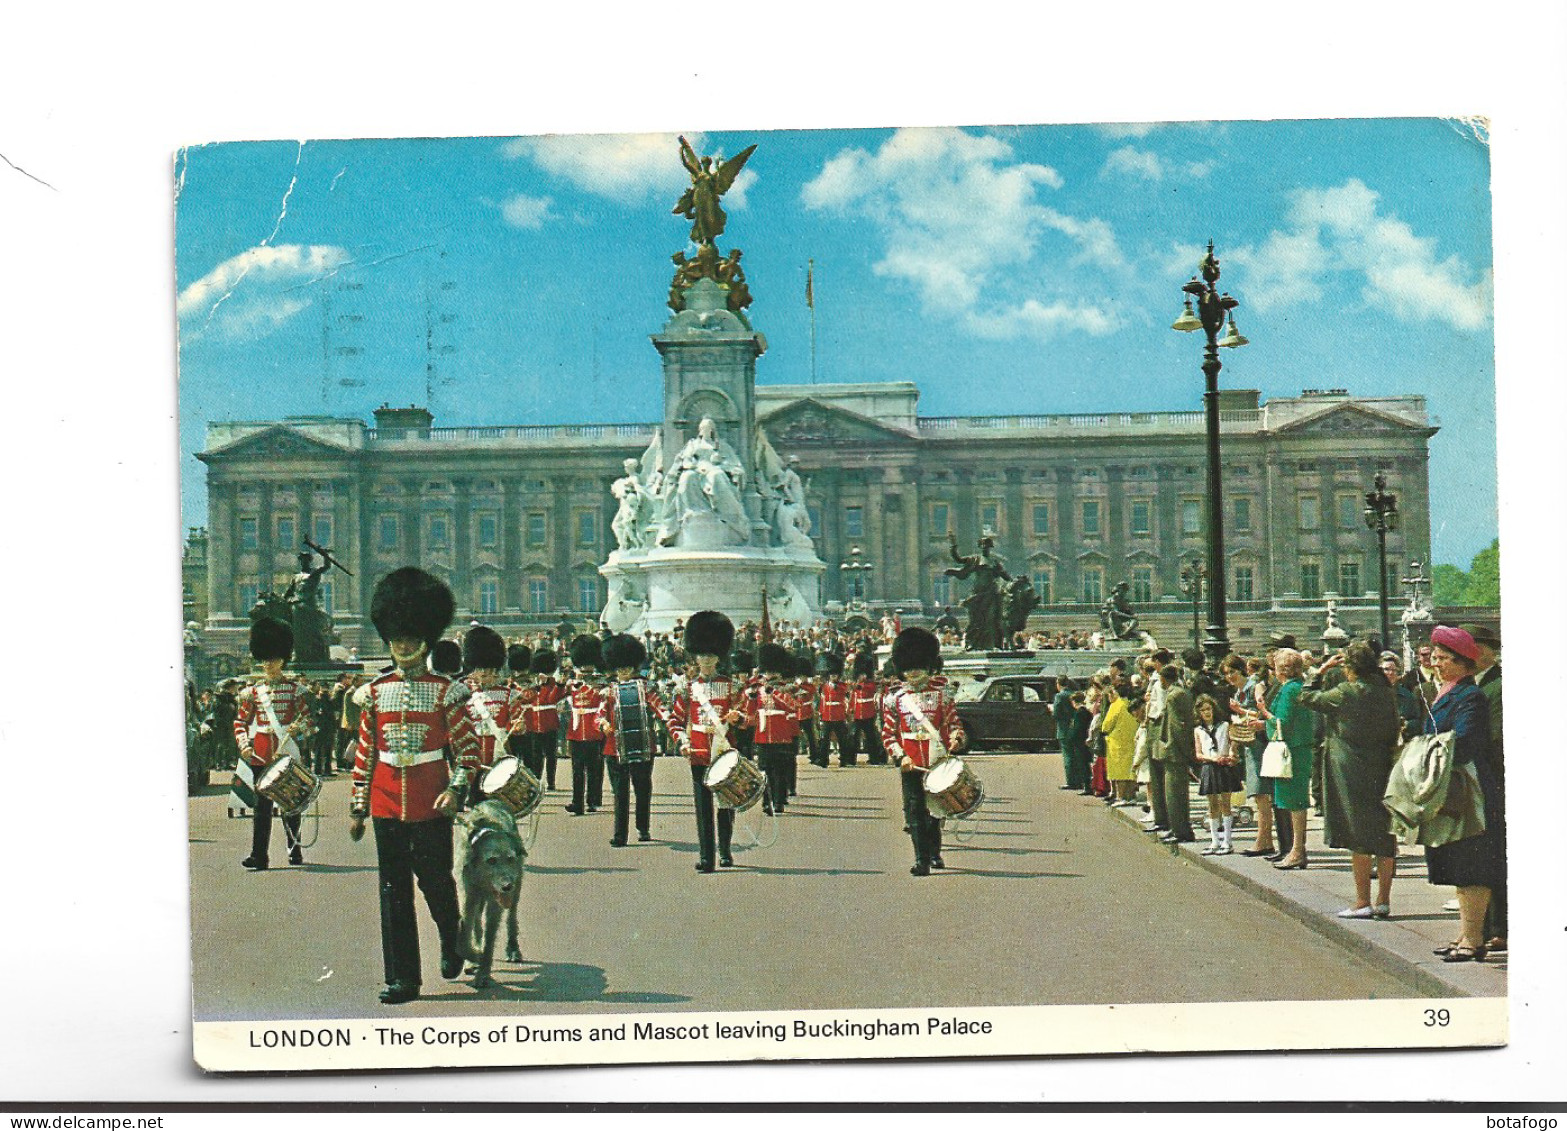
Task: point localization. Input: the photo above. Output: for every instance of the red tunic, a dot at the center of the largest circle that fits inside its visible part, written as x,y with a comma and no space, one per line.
414,729
587,705
609,717
689,721
805,692
833,701
545,715
258,745
863,699
503,703
774,714
903,735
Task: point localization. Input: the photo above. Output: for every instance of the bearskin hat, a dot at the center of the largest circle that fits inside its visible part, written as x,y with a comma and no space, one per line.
865,665
446,657
742,660
410,604
544,662
774,659
586,652
518,657
483,648
829,663
709,633
916,649
271,639
623,651
804,666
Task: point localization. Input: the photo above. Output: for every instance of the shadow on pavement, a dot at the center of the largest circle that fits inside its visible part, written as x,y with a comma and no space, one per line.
952,870
542,871
555,981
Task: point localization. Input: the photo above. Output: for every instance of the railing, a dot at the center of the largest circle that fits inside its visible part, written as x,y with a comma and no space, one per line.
1135,421
524,433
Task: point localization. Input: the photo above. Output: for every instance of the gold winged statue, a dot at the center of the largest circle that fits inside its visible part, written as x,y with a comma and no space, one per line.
699,203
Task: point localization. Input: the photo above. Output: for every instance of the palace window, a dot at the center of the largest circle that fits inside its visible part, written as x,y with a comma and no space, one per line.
1093,585
1243,583
1310,580
387,527
941,590
1242,513
249,536
440,533
1091,517
587,528
1348,512
538,595
1310,508
248,593
854,522
815,513
1191,516
1140,472
990,517
489,529
321,530
1041,513
1142,517
489,596
1349,578
286,537
940,519
588,594
1041,580
1142,584
538,529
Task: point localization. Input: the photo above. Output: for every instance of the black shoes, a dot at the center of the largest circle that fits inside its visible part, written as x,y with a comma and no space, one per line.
451,966
1257,851
574,811
644,835
398,992
727,860
937,863
704,866
253,864
1276,857
296,857
617,843
920,870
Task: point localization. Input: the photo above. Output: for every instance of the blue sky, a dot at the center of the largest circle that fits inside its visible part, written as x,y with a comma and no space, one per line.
1003,269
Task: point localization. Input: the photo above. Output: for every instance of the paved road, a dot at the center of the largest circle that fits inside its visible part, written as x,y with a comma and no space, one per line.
1047,902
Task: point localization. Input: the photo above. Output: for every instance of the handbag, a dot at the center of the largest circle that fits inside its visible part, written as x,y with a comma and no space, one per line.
1276,759
1243,731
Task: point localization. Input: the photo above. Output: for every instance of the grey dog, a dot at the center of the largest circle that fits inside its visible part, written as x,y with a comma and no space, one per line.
491,856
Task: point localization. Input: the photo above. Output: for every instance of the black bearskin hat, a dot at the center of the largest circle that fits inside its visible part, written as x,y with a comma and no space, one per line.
518,657
544,663
271,640
804,666
830,663
446,657
622,651
587,652
742,660
865,665
709,633
410,604
916,649
483,648
774,659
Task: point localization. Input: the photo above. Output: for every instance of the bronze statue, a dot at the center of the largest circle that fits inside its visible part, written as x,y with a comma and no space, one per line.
984,600
312,626
1021,599
699,203
732,277
1116,615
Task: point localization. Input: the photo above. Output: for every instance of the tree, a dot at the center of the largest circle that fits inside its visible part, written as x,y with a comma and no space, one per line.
1448,584
1480,586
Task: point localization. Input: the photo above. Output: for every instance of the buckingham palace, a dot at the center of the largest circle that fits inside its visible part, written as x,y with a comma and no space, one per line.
517,518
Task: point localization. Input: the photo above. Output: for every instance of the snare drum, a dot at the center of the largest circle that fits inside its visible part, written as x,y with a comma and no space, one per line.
289,784
736,782
513,785
952,790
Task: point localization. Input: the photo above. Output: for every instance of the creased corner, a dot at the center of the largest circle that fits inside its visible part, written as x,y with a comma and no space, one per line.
1476,127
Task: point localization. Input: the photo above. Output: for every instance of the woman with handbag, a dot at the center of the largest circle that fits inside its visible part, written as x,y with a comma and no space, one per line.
1246,736
1290,735
1472,865
1362,742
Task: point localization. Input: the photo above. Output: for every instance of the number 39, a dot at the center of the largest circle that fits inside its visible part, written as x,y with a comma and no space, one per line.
1437,1017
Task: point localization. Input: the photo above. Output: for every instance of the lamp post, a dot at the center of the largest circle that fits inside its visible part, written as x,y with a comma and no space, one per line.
1192,585
856,573
1381,515
1212,307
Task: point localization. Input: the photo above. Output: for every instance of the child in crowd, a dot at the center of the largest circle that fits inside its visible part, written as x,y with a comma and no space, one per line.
1219,774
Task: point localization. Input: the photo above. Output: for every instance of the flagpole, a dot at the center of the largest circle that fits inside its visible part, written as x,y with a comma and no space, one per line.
810,301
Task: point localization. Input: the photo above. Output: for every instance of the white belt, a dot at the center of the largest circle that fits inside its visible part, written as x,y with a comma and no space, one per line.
403,761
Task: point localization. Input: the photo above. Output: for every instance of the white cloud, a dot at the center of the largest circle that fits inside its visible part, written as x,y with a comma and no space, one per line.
960,219
1127,129
1134,162
248,296
1343,231
626,168
523,211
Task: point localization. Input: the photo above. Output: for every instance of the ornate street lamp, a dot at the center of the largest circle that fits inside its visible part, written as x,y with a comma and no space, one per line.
857,575
1381,515
1212,307
1191,585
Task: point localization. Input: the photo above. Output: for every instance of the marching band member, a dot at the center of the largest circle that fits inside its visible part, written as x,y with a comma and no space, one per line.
492,703
699,720
584,733
416,752
920,727
544,715
519,743
273,703
833,710
805,716
742,665
774,717
865,709
631,709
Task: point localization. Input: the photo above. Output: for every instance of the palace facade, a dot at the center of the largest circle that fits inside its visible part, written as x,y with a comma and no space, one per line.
517,519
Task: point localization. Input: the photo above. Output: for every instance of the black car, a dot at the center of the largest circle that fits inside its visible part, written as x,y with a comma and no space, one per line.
1013,712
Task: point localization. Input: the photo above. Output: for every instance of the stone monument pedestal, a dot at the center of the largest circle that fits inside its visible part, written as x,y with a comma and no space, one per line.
652,590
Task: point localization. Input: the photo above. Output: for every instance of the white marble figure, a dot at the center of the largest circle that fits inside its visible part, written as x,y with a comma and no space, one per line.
704,483
794,518
769,475
625,607
630,524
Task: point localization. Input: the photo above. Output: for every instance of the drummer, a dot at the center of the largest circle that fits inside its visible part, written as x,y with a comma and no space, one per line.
920,727
271,642
631,707
492,704
519,677
773,712
699,721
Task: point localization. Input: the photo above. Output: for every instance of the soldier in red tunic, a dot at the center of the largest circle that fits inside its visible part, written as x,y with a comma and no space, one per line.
583,731
416,752
544,716
865,709
920,727
805,694
494,706
832,703
256,729
773,713
699,720
631,708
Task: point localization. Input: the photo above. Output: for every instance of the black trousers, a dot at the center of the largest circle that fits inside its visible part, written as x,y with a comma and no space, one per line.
587,775
527,747
705,809
1157,794
776,761
545,750
261,829
869,742
623,778
924,830
405,851
845,744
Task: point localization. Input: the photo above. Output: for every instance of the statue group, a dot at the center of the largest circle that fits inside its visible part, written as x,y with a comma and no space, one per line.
701,204
299,606
997,613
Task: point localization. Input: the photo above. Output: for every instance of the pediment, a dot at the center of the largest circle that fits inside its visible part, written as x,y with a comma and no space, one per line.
279,442
810,421
1348,420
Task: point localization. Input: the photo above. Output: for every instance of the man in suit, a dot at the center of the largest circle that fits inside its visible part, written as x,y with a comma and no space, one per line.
1175,751
1061,711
